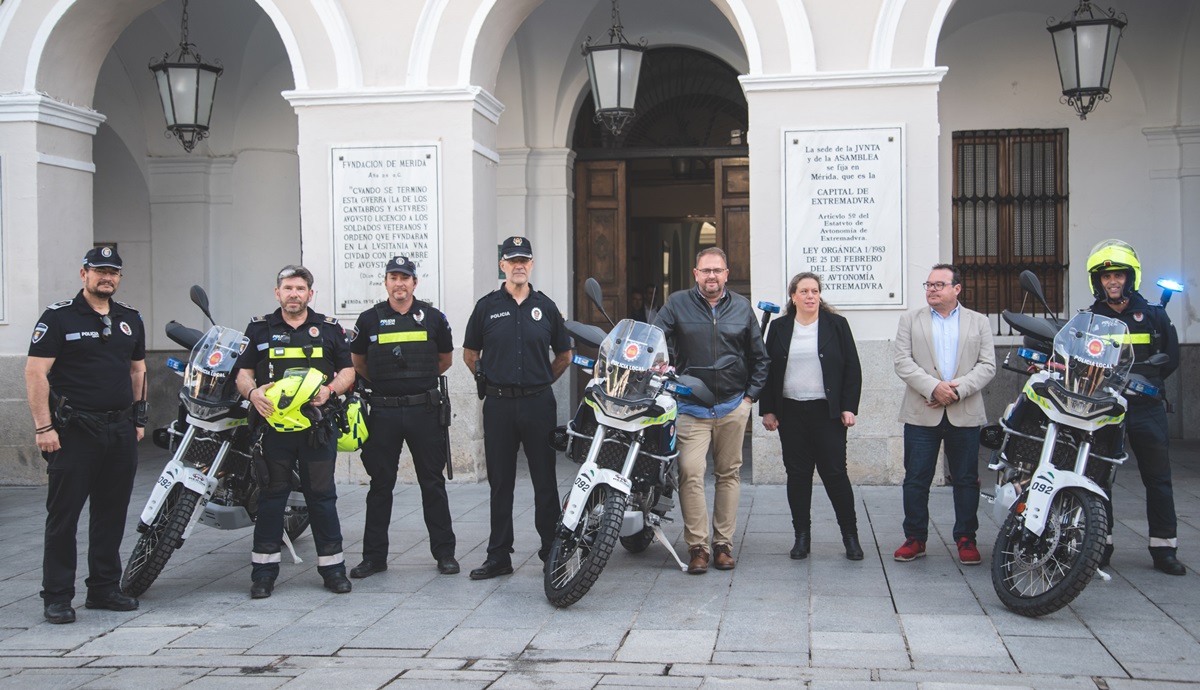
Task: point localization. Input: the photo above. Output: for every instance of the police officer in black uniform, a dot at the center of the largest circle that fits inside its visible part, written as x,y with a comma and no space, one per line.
400,346
86,369
516,327
295,336
1115,273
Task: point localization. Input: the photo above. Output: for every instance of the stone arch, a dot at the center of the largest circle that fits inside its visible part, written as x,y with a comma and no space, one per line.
461,42
71,38
906,34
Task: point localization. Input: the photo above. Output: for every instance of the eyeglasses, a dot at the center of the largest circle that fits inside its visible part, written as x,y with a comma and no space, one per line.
711,271
936,286
107,332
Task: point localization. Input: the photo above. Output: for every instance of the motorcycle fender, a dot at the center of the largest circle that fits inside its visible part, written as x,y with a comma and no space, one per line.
177,473
1042,490
588,478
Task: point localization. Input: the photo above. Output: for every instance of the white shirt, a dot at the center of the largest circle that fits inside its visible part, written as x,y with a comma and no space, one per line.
802,379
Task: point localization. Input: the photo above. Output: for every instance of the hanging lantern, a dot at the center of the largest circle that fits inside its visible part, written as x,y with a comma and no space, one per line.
1085,46
613,70
186,87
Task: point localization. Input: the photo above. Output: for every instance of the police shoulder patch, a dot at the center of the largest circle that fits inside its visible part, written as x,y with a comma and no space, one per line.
257,319
125,305
60,305
330,319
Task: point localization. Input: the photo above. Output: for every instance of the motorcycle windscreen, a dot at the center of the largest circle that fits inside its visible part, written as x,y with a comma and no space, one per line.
1097,354
210,374
629,356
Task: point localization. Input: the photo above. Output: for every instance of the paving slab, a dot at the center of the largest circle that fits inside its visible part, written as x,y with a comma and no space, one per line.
821,622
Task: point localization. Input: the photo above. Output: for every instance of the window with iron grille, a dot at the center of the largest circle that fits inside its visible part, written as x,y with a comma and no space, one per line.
1010,215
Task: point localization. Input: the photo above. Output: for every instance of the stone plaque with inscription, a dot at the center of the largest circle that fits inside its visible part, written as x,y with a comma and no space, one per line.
844,213
386,201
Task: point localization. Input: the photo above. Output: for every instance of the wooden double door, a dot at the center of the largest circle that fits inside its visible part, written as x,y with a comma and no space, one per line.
623,250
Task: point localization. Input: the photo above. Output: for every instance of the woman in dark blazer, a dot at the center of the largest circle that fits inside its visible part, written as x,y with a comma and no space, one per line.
812,398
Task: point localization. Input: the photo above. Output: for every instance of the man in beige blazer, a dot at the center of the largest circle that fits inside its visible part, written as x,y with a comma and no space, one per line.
943,352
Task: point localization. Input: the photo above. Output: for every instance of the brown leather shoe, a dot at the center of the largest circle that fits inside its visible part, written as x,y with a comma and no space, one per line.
723,557
698,565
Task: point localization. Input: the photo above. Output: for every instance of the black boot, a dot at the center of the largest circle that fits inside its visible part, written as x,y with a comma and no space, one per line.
854,550
1106,556
1169,564
800,548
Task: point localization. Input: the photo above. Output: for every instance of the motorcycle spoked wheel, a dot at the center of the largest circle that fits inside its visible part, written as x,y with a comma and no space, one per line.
577,559
1041,577
156,544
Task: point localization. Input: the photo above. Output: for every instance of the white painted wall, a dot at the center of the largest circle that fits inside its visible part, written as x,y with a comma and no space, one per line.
1114,187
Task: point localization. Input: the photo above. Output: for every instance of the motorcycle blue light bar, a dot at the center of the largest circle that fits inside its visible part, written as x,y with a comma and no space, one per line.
585,362
769,307
1143,388
175,364
677,389
1033,355
1172,285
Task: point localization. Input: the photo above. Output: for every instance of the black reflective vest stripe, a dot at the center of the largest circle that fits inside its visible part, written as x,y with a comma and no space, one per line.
403,349
279,358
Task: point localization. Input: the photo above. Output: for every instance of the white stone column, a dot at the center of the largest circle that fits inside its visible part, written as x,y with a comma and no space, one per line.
190,200
463,121
45,229
905,98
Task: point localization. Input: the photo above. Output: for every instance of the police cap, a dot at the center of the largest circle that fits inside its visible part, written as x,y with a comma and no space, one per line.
516,247
102,257
402,264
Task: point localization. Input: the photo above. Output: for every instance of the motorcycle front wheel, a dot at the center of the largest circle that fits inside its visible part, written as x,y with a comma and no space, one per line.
159,541
1036,576
577,559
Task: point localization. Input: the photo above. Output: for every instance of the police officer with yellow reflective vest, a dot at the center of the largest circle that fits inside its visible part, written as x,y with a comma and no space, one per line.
401,346
298,431
86,369
1116,273
515,328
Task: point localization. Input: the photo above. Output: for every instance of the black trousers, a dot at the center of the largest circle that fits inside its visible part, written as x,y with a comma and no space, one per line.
1146,428
509,423
390,428
101,469
282,452
810,439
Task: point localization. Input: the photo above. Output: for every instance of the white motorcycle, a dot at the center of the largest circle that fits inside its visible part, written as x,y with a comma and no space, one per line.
624,435
209,480
1056,453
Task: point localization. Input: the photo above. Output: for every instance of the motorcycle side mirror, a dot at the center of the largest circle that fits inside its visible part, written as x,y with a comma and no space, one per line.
1158,359
200,299
592,289
1030,283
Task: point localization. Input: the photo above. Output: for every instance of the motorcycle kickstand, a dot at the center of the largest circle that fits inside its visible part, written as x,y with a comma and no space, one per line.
658,534
291,549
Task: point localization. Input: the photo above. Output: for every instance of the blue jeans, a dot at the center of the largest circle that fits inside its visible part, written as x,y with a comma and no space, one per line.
920,459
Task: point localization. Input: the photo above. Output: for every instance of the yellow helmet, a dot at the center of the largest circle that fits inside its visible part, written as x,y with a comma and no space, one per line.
355,435
289,394
1114,255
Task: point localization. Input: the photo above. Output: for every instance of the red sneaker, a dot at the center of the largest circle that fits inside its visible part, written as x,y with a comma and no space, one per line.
968,554
913,548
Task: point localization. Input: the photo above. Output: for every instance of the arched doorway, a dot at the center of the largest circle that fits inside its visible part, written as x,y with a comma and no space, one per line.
675,181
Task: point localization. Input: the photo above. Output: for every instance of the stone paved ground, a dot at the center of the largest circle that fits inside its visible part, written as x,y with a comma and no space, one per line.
820,623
